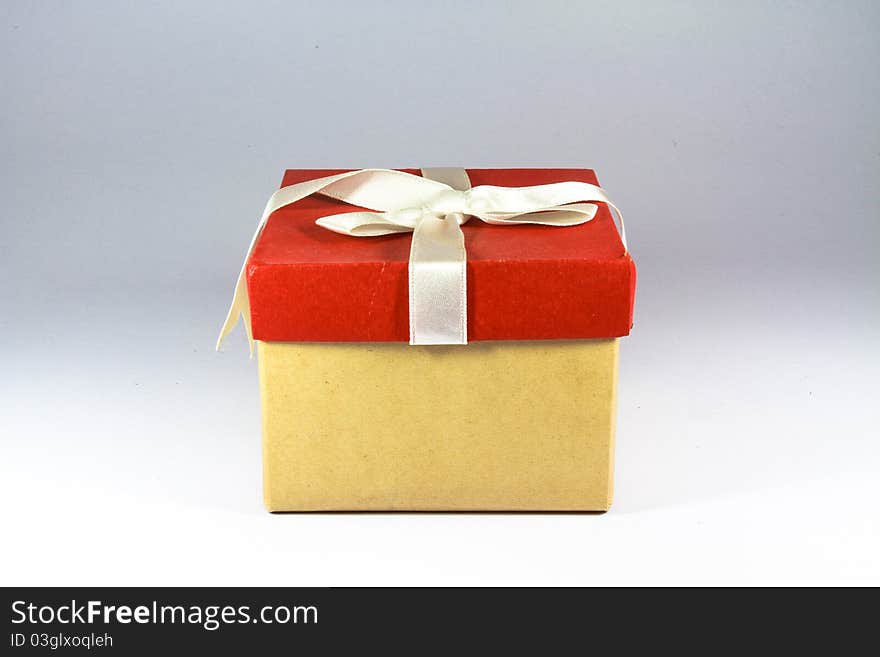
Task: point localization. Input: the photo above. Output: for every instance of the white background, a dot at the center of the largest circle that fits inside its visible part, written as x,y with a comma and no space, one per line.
140,142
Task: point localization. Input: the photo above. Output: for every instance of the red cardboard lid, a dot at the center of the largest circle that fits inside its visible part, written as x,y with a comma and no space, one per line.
524,282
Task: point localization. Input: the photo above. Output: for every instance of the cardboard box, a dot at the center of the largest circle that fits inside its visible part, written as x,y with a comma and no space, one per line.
487,426
522,418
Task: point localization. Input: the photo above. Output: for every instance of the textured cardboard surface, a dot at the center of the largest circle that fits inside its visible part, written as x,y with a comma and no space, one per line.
487,426
525,282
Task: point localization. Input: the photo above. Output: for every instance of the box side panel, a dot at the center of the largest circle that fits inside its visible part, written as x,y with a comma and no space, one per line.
489,426
612,422
265,412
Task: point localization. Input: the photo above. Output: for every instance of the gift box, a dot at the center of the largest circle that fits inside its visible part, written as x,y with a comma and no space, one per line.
360,413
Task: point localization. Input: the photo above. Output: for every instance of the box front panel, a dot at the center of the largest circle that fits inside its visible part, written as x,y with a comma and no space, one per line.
487,426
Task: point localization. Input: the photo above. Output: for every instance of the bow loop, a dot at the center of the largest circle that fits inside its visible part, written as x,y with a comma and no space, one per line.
370,224
381,189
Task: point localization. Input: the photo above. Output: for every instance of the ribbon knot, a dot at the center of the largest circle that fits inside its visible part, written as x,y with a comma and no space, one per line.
449,201
432,207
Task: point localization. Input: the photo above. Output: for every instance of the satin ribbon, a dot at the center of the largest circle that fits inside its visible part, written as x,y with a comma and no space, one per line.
433,207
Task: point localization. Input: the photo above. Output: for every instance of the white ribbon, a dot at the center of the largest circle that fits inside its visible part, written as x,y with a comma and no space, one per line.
433,207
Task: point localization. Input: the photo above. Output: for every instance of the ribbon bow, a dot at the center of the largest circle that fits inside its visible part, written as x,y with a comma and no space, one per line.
433,207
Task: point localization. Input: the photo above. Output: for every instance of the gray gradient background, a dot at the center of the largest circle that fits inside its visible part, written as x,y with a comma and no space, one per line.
140,141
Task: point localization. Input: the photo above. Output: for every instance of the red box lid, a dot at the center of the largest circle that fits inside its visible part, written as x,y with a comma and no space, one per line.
524,282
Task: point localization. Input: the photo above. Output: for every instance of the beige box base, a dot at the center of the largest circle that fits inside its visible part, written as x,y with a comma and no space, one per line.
491,426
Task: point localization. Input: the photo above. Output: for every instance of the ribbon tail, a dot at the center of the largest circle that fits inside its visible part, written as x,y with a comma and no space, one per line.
622,230
238,309
438,282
